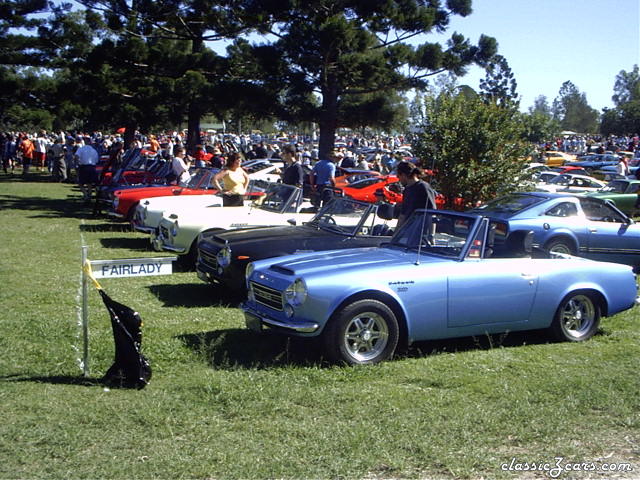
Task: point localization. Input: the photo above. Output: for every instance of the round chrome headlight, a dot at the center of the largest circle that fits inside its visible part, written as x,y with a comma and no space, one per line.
224,257
174,229
296,293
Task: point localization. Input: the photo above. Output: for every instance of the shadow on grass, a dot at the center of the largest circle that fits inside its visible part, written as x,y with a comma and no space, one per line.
54,380
194,295
236,348
136,244
108,227
71,207
484,342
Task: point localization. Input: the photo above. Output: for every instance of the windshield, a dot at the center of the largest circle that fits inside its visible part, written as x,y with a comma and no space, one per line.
365,182
443,234
200,175
346,216
510,204
279,198
561,180
615,187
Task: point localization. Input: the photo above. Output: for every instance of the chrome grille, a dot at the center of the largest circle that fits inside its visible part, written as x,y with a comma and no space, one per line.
208,259
266,296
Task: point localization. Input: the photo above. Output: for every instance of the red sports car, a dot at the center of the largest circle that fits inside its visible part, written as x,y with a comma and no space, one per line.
389,189
126,200
374,189
351,177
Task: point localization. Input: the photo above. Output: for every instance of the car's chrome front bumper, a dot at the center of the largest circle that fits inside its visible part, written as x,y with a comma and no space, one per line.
255,321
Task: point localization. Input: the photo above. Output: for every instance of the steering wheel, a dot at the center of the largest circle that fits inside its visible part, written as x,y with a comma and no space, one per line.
329,219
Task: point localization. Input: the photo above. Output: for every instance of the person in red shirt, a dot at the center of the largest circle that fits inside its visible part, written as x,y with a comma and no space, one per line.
27,148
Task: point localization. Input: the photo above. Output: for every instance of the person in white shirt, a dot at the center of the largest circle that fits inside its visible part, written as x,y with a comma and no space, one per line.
87,158
180,166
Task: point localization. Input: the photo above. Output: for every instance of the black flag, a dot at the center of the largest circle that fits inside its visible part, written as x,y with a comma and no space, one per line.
130,368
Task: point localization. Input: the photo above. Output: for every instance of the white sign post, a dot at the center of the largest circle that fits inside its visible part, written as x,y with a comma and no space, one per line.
125,267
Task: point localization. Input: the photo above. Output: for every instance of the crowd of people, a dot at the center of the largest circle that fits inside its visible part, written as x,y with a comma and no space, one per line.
55,152
579,144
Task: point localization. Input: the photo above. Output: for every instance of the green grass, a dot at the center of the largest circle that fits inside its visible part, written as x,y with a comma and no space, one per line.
227,403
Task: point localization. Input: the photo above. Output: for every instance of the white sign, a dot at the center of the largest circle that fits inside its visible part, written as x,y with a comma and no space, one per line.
132,267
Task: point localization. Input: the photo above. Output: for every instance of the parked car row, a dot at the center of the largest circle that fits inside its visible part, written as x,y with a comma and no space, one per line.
346,275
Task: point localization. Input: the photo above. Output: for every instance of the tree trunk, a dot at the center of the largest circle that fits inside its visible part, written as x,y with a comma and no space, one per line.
194,114
193,126
328,121
129,134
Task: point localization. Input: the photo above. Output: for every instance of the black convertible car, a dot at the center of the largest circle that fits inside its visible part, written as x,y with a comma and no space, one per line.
341,223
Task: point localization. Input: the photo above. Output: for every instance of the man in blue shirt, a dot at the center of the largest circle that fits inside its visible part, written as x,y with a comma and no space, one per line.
322,180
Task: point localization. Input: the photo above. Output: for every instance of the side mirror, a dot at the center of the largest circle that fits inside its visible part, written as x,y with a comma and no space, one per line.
386,211
292,221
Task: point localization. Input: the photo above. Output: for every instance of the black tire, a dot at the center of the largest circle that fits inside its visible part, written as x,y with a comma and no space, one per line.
577,318
560,245
187,262
131,213
364,332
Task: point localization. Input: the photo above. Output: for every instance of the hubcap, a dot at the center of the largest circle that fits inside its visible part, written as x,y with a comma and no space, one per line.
561,248
578,316
366,336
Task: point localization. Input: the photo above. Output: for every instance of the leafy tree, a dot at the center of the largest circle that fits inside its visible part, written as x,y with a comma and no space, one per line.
190,74
18,22
625,117
539,123
572,110
340,48
627,87
378,111
475,146
541,105
499,85
416,111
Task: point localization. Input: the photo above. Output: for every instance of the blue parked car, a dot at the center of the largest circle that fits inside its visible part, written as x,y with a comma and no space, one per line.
572,224
442,275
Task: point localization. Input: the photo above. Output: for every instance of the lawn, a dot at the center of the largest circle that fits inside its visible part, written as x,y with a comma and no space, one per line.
227,403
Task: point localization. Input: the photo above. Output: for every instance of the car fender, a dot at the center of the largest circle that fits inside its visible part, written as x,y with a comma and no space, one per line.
330,303
388,297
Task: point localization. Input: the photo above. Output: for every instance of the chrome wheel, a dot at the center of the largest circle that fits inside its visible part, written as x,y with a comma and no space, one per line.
559,246
363,332
578,316
366,336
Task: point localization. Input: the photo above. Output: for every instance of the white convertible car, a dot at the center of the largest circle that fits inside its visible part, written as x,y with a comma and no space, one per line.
178,230
149,211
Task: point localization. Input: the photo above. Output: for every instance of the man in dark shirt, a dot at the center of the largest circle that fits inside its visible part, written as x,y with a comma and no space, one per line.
417,193
293,173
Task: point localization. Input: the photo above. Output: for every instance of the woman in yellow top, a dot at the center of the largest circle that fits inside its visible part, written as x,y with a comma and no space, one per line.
235,181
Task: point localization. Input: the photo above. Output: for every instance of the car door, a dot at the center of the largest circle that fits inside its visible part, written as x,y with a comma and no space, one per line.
612,237
486,291
491,291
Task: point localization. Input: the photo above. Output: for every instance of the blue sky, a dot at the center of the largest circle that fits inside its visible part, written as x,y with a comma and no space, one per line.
547,42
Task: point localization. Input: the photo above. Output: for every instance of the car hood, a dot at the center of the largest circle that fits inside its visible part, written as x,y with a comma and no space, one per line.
262,234
192,201
339,261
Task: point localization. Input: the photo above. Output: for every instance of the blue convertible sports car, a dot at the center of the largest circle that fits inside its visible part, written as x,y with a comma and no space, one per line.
442,275
576,225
